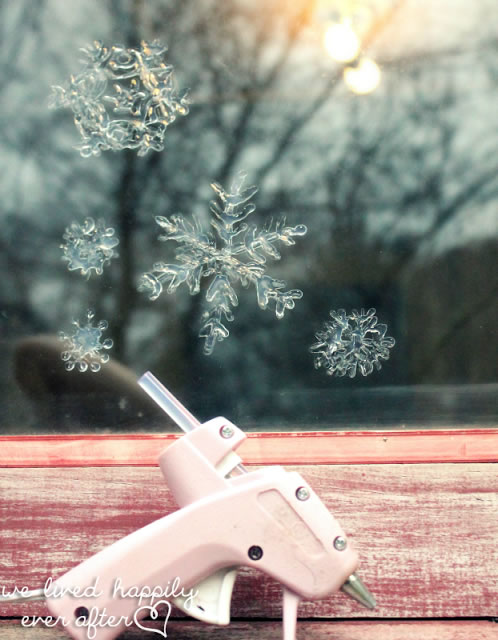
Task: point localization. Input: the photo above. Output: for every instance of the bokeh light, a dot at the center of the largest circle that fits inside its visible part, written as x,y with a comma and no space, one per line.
341,42
364,77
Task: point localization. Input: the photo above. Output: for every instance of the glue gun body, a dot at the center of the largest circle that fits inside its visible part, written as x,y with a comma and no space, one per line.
269,519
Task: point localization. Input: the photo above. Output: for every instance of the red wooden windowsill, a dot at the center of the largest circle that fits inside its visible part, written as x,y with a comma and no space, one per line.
426,535
358,447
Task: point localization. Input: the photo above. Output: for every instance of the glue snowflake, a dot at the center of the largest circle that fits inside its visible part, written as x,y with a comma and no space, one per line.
240,258
89,246
122,99
84,348
351,342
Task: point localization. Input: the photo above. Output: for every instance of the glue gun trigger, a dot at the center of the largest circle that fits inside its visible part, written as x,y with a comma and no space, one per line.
210,599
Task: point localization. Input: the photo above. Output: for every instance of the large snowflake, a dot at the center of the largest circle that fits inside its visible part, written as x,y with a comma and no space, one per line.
84,348
352,342
89,246
240,259
122,99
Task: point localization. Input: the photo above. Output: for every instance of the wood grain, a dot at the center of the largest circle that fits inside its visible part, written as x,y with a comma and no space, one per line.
342,447
183,630
427,534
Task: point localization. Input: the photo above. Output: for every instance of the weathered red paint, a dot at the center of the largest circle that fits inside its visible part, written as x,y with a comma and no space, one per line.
426,534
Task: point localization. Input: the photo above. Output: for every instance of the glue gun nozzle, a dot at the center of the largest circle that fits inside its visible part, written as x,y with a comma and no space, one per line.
355,588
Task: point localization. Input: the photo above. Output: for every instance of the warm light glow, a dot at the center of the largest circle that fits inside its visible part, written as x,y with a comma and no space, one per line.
364,77
341,42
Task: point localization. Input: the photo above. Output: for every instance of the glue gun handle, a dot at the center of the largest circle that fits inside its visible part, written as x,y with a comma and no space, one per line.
154,557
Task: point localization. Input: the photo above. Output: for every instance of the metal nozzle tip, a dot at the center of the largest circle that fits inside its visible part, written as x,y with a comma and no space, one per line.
355,588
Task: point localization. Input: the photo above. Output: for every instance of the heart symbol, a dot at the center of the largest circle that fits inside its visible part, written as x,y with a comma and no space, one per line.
153,614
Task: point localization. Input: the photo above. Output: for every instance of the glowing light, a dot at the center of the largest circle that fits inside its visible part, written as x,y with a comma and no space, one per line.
341,42
364,77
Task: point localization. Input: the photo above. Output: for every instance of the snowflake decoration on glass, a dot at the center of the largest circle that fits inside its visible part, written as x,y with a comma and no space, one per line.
84,348
351,342
122,99
89,246
240,258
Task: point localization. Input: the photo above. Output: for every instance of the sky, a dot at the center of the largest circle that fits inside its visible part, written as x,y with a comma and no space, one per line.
422,26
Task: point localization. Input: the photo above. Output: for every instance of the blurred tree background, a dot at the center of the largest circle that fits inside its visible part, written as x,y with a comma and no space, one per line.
398,189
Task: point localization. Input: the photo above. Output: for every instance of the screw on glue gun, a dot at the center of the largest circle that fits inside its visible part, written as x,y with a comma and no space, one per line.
268,519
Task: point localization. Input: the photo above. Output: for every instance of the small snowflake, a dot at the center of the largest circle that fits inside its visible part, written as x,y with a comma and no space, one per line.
351,342
240,258
122,99
89,246
84,348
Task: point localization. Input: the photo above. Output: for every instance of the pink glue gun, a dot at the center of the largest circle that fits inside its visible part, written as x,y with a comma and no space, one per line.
268,519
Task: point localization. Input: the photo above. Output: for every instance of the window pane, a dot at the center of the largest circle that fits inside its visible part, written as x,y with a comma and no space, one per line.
370,131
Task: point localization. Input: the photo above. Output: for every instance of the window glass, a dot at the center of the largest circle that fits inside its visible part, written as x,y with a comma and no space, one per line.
355,288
